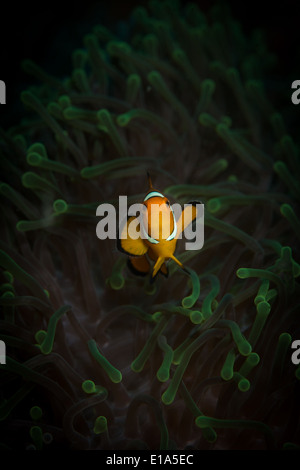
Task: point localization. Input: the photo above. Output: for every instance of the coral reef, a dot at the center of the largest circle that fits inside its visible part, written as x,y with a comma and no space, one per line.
96,357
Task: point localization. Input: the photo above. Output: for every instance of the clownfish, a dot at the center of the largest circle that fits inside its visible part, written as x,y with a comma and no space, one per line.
160,234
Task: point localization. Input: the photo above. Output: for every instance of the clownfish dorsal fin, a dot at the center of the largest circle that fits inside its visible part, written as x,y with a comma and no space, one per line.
149,180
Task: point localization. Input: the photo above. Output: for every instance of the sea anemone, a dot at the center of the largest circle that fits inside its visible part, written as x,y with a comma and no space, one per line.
97,358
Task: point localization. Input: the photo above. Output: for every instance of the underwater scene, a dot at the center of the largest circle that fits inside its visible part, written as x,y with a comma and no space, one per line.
151,344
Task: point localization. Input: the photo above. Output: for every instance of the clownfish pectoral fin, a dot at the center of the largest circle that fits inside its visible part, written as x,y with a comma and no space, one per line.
128,245
139,265
190,213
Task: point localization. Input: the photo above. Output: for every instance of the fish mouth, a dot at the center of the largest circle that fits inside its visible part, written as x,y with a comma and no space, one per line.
155,241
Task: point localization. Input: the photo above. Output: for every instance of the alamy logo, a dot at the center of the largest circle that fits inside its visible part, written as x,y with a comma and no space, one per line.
296,354
296,94
157,226
2,352
2,92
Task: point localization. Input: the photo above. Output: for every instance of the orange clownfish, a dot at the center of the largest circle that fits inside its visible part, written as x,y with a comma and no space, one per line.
160,232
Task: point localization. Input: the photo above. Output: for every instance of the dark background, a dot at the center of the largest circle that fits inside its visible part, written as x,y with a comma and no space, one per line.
47,33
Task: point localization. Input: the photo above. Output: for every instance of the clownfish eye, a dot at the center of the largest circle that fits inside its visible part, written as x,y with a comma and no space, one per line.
168,203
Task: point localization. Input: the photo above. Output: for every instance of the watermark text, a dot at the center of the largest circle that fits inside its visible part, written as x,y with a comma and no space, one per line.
2,92
296,94
155,224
